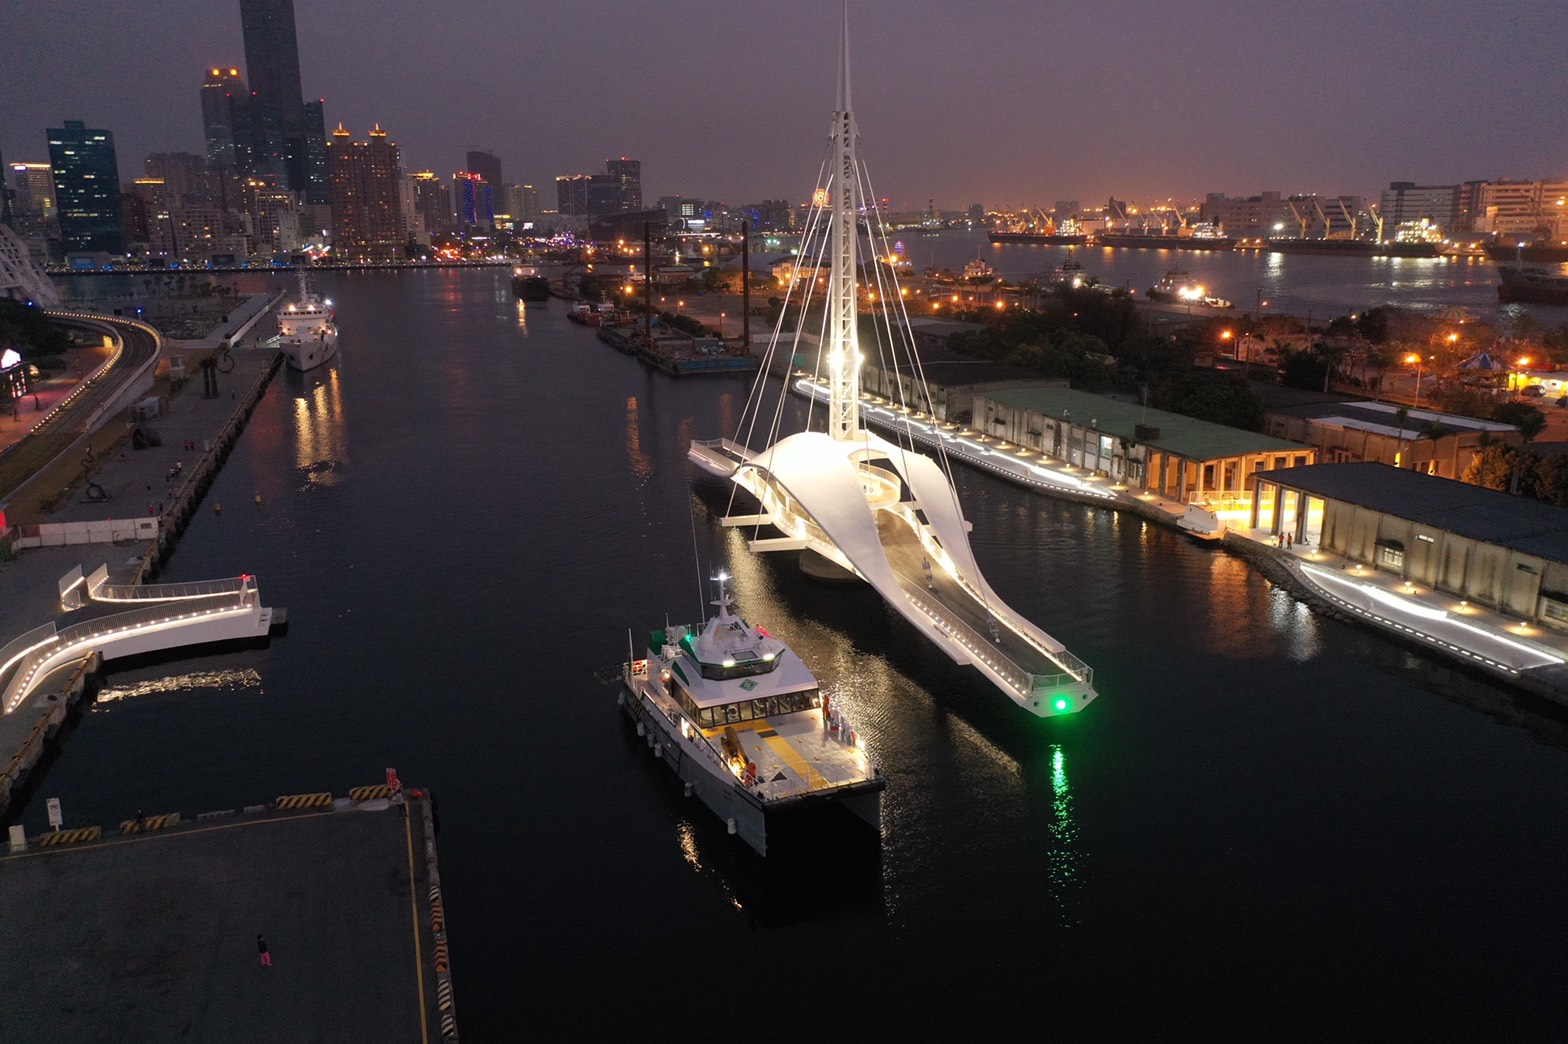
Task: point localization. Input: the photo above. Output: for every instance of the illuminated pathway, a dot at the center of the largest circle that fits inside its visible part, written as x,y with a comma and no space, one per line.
167,616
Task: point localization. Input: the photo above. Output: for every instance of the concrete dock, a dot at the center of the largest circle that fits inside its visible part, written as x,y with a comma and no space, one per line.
150,934
135,487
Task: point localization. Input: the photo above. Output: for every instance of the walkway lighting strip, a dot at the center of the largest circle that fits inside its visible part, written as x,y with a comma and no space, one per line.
21,685
1425,612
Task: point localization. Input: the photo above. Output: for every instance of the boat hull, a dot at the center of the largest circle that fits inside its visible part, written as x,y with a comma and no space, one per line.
1141,242
1531,286
743,814
1041,238
532,289
305,355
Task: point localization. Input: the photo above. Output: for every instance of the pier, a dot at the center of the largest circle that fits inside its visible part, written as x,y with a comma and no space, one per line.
147,929
102,500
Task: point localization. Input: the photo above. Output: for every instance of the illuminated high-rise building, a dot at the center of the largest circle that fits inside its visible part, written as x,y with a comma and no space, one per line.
571,193
530,211
627,175
432,201
473,198
86,187
364,177
277,101
225,118
33,209
488,166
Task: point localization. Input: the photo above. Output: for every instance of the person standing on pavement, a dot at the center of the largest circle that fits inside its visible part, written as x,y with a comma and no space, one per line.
261,948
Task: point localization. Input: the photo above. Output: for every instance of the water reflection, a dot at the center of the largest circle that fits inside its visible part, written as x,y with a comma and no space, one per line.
320,445
522,317
228,680
642,464
1062,860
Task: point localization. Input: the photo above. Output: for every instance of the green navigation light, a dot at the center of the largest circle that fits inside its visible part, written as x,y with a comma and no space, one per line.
1062,703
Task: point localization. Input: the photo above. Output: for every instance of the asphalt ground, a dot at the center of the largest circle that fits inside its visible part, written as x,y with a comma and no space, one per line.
152,937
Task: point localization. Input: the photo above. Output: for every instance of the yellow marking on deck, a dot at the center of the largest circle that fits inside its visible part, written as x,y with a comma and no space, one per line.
792,758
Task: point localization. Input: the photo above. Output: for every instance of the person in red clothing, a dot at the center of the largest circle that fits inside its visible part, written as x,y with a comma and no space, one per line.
261,948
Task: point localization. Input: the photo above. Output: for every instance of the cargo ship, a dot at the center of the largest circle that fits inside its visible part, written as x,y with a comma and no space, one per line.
1041,238
1161,240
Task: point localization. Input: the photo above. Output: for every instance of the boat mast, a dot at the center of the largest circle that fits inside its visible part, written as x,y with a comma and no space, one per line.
843,346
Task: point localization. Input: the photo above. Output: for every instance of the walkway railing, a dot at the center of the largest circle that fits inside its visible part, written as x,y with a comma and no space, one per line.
28,668
238,585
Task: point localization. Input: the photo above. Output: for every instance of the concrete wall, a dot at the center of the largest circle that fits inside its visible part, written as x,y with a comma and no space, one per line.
1447,456
103,531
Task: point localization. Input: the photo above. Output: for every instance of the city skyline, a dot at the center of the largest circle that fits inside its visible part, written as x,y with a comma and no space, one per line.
1043,104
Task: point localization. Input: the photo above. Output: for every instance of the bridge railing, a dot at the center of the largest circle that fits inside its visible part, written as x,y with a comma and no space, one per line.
20,646
169,592
29,666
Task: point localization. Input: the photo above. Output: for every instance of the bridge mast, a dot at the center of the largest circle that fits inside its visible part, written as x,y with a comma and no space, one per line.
843,345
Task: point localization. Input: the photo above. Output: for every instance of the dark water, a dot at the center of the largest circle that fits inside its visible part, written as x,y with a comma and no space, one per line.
1268,820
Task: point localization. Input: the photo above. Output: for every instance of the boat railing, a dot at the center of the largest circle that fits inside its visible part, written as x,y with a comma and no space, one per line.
689,730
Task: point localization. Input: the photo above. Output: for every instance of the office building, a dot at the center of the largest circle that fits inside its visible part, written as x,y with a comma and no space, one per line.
364,176
626,174
1406,201
5,197
571,193
432,202
277,101
474,200
315,160
32,201
530,211
1523,210
488,167
86,187
225,119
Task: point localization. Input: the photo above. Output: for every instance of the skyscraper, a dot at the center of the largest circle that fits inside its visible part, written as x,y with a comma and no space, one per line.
225,118
474,198
34,209
530,204
571,193
487,166
628,179
277,102
86,187
432,201
364,177
315,163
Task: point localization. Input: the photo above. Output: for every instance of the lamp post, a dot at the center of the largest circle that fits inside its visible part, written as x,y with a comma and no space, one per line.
721,326
1417,360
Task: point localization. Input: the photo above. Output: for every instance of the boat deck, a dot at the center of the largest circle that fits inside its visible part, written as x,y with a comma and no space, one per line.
797,753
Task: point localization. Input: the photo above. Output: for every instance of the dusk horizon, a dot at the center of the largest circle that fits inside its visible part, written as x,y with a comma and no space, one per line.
1041,105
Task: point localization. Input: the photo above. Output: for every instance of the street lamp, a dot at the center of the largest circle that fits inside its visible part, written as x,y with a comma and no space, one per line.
1417,360
721,326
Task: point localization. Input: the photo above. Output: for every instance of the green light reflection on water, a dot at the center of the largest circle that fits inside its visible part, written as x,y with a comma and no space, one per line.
1063,857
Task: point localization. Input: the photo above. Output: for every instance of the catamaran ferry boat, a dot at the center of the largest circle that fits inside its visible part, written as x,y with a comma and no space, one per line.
307,329
741,719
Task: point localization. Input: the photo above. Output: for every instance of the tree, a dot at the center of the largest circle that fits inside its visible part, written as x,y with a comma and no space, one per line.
1491,467
1551,480
1216,396
1529,420
1300,368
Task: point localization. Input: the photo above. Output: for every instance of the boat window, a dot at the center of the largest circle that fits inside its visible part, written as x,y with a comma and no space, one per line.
707,718
761,708
732,712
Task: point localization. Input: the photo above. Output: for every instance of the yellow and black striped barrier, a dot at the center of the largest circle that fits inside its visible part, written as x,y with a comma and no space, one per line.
442,960
302,801
70,837
379,790
146,823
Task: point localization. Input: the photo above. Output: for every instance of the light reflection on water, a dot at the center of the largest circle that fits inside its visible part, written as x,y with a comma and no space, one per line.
226,680
320,435
1063,857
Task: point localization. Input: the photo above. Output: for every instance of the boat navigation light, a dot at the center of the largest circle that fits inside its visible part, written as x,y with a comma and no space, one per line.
1061,703
729,663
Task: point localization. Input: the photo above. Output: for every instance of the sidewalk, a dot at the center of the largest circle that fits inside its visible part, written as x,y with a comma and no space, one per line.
1536,658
